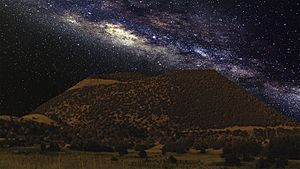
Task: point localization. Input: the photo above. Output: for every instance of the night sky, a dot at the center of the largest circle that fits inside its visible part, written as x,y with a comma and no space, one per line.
46,46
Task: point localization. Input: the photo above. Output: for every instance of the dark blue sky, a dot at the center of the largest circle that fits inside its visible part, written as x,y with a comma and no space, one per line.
48,45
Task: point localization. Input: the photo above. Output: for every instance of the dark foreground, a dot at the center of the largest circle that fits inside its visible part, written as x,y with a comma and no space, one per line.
31,158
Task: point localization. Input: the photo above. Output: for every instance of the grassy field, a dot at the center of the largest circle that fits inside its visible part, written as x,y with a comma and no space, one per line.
30,158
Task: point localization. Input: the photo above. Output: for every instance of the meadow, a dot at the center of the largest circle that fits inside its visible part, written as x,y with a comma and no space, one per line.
31,158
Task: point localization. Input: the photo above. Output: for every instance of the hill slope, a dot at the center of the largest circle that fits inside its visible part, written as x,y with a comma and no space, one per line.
137,106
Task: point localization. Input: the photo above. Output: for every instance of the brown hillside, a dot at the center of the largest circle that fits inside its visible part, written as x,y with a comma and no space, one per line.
141,106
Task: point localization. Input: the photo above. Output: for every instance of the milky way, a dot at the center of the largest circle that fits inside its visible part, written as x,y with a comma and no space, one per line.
176,35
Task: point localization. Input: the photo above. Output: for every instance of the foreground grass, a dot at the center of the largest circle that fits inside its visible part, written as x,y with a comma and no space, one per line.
30,158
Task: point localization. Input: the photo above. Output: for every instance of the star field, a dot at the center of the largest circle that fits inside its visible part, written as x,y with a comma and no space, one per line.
255,44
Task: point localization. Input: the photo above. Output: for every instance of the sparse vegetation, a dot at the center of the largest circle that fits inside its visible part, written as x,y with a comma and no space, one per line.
263,163
31,158
172,159
180,146
287,147
241,150
200,147
143,108
232,159
109,122
279,151
143,154
122,150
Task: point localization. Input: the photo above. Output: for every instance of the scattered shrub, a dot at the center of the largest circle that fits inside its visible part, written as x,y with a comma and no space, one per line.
232,159
122,150
242,149
143,154
172,159
201,148
181,146
114,158
284,148
49,147
281,162
263,163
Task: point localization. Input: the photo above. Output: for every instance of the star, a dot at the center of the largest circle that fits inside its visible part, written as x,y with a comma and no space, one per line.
254,48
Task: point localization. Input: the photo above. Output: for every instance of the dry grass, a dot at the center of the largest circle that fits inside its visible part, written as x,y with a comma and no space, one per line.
8,118
39,118
28,158
94,82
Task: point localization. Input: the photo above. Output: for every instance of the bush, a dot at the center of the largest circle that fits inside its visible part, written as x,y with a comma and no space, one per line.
54,147
247,157
267,163
145,146
244,149
114,158
90,145
49,147
201,148
172,159
281,162
232,159
181,146
140,147
164,150
284,148
143,154
263,163
122,150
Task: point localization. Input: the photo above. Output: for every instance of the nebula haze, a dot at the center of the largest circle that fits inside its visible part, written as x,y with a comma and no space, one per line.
253,44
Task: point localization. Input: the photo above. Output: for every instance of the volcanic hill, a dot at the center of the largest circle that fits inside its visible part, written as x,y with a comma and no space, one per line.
134,105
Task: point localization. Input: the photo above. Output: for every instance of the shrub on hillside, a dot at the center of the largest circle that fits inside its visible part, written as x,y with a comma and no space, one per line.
242,149
200,147
172,159
114,158
181,146
281,162
287,147
49,147
122,150
143,154
232,159
146,146
263,163
91,144
279,151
